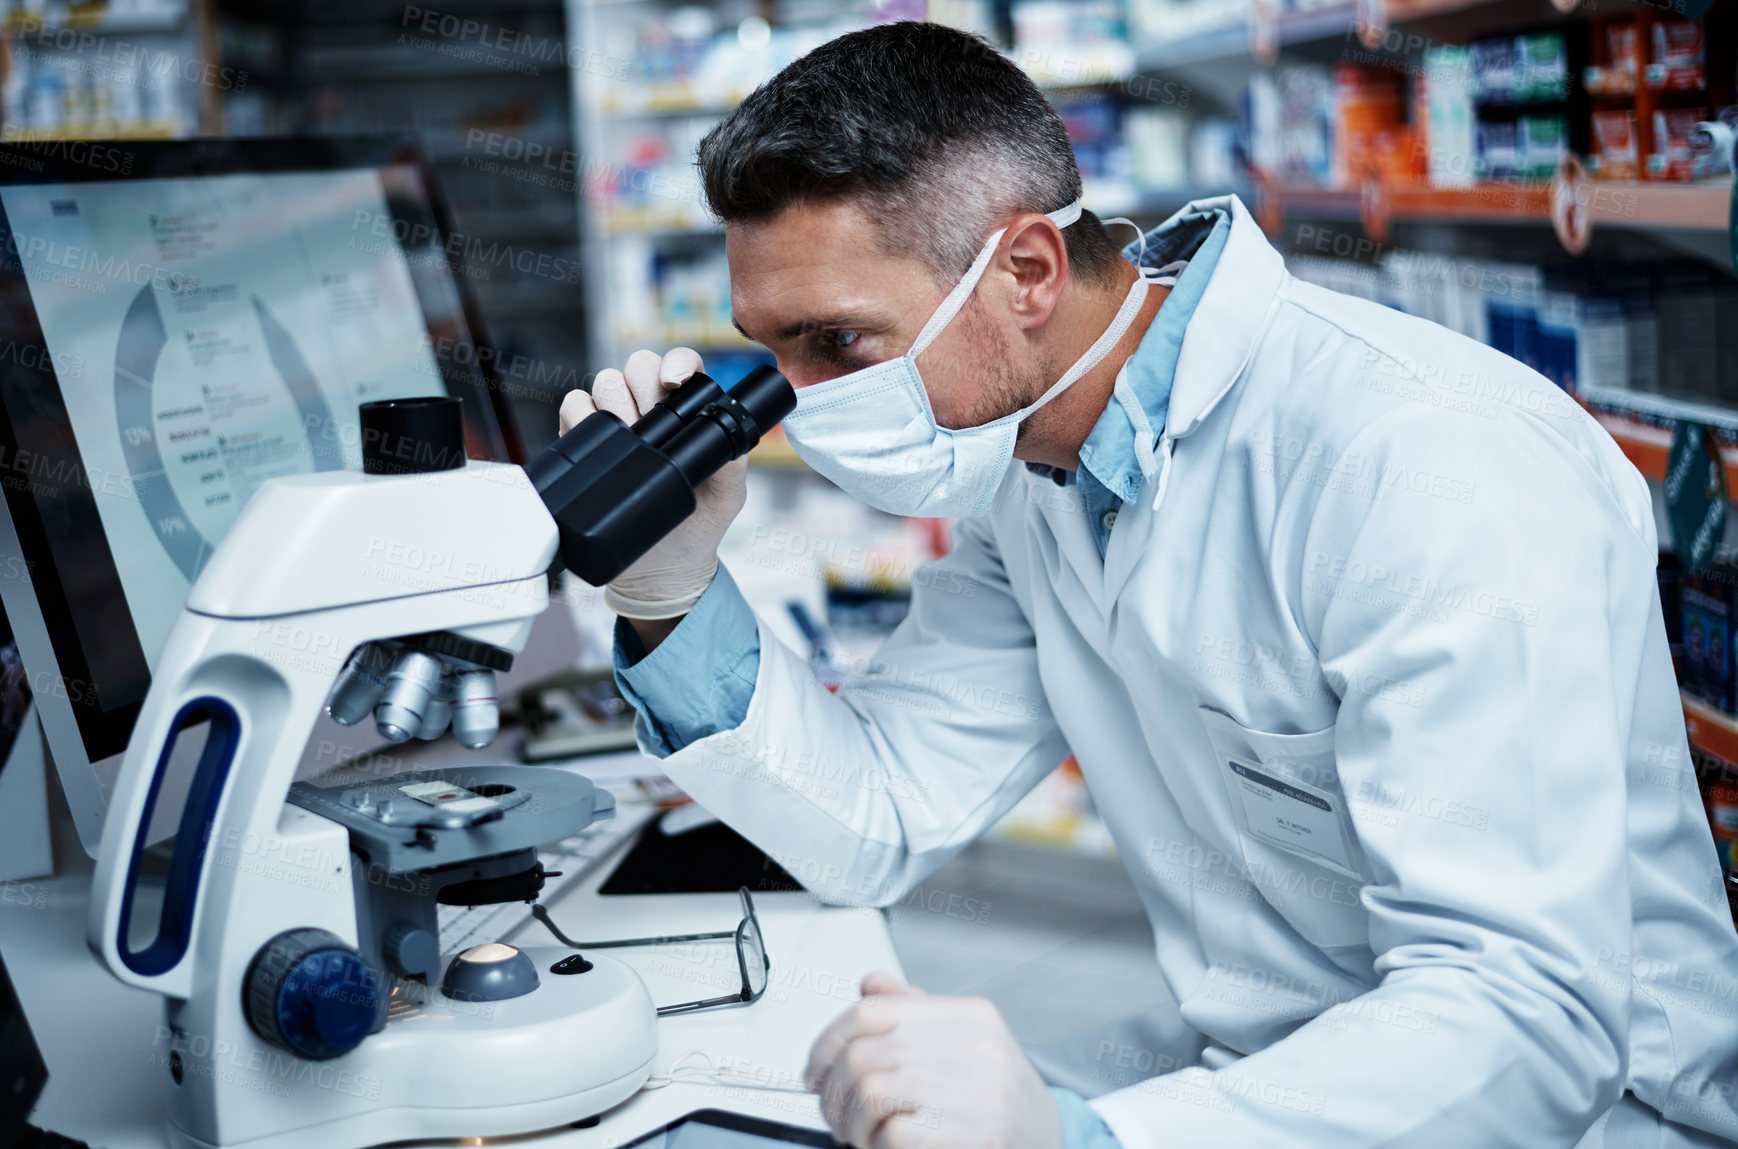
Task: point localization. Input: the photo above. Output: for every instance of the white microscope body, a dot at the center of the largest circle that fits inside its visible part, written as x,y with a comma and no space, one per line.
314,567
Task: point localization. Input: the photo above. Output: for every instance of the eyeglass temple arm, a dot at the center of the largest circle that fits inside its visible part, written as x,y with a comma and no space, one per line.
542,915
708,1003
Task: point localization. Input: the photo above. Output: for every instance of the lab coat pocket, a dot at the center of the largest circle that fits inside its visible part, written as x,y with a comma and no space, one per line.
1299,845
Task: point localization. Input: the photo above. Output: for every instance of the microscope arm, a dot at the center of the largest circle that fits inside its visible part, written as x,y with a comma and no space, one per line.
260,675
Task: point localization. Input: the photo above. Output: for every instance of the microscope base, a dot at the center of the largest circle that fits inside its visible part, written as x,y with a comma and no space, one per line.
570,1049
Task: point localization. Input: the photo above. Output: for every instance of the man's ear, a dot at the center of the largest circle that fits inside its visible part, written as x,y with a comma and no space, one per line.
1035,261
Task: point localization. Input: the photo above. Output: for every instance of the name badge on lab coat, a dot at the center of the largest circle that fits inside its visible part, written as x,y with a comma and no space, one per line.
1292,815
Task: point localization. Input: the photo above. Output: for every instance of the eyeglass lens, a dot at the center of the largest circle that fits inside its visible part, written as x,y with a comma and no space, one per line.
753,957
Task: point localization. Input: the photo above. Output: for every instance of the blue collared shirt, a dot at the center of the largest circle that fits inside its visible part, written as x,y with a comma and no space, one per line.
1110,470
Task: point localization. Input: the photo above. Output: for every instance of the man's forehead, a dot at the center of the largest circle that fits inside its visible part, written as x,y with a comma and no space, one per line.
814,265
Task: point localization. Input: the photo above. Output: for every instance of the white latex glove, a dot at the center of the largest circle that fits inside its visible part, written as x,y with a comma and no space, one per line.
670,578
904,1070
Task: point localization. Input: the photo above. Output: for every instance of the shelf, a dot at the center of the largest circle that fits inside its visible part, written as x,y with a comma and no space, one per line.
1326,23
1698,206
666,98
1076,65
327,13
427,60
1648,444
156,130
700,336
1065,67
95,19
1710,731
447,145
1165,202
644,219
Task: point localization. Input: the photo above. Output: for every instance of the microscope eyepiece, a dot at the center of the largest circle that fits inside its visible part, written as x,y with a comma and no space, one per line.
615,490
412,436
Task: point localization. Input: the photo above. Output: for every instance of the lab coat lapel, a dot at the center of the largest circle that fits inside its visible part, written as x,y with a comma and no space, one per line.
1229,321
1217,346
1064,513
1128,542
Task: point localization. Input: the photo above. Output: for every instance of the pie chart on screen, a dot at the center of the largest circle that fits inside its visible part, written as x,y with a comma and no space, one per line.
138,356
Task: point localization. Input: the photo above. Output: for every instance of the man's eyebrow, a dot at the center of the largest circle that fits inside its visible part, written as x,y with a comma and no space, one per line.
804,326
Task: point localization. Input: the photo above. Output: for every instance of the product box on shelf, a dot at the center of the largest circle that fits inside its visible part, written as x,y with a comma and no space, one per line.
1615,154
1544,141
1722,807
1543,67
1601,347
1673,158
1707,627
1617,59
1499,149
1555,347
1677,60
1520,69
1372,134
1448,136
1496,70
1697,312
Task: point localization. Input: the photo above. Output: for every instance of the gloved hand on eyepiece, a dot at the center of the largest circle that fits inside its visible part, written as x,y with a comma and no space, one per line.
669,579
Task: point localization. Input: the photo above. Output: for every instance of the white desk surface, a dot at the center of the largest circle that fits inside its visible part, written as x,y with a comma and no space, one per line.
96,1034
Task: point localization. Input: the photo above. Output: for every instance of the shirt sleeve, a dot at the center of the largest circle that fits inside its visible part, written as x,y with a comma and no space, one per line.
699,680
1082,1127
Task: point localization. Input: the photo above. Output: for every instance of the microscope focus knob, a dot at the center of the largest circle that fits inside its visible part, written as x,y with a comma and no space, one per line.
309,992
411,951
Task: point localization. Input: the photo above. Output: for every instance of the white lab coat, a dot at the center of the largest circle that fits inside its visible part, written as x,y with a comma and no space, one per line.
1408,579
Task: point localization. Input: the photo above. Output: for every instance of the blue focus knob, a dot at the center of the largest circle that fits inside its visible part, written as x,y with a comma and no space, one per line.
309,992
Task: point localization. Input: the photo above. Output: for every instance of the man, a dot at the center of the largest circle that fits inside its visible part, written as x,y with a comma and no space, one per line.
1351,623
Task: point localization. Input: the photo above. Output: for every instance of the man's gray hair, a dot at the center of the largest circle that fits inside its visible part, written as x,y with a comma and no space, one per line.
938,134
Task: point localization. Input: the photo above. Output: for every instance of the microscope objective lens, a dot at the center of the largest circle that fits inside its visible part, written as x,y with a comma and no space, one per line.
410,689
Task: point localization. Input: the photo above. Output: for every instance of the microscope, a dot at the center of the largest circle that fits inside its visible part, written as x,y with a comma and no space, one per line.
294,938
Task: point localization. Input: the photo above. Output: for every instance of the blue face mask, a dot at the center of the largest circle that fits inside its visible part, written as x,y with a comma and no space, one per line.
873,432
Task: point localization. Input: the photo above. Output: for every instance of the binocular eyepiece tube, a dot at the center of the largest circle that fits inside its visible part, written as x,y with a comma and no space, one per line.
615,490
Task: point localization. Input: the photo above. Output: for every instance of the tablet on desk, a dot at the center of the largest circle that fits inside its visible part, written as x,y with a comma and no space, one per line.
716,1129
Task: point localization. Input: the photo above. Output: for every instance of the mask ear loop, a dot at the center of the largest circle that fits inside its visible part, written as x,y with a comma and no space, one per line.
1131,306
956,299
1137,415
1165,276
1139,234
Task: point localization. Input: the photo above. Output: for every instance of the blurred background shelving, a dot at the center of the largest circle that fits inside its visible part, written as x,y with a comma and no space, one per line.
117,70
482,86
1551,177
1533,177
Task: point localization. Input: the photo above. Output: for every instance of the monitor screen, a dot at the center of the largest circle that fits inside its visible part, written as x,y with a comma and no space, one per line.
171,340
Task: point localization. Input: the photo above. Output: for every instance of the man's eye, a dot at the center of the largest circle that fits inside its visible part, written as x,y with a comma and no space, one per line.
840,338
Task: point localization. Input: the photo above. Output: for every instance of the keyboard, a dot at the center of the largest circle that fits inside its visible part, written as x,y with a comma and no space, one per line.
465,926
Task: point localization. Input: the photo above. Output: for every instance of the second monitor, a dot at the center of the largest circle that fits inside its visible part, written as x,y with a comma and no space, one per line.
174,331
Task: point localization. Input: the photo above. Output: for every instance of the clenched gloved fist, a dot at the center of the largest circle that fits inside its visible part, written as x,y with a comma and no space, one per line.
669,579
904,1070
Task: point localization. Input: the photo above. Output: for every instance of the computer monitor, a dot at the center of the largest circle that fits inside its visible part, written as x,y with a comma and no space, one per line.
180,321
